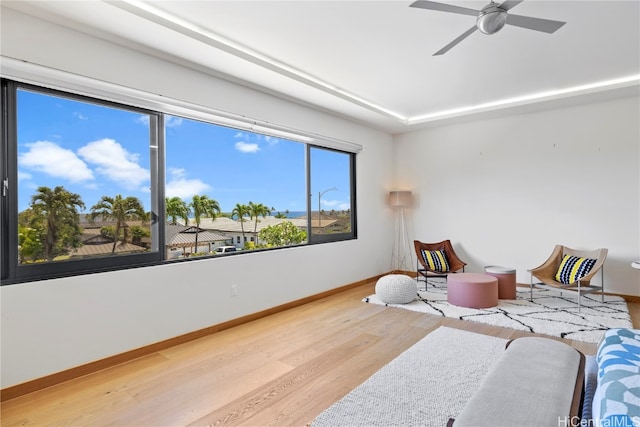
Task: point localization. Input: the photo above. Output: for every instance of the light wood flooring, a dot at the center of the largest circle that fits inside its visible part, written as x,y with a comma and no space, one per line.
281,370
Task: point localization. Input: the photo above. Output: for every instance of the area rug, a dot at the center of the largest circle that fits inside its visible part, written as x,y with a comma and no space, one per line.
550,312
424,386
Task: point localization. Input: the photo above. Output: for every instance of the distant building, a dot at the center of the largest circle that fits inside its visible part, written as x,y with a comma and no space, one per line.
94,243
232,229
181,240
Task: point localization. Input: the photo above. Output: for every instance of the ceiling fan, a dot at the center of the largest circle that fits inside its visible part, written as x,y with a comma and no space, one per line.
490,19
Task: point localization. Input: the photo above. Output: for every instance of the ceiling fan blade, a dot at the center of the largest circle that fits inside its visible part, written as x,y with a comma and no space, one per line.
441,7
537,24
510,4
456,41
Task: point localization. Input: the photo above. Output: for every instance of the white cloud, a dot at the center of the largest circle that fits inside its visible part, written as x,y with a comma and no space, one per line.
48,157
330,203
80,116
338,205
172,122
271,140
179,186
22,176
177,172
247,147
143,120
115,163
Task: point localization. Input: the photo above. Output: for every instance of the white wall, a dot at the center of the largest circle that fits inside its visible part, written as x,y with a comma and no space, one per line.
506,190
53,325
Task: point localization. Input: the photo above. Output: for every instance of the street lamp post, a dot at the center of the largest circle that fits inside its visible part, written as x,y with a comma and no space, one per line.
320,193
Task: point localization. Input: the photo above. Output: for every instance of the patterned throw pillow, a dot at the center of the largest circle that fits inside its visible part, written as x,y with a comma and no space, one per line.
615,402
436,260
573,268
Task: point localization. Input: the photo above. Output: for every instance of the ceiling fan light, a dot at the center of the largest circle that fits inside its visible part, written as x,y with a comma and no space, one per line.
491,20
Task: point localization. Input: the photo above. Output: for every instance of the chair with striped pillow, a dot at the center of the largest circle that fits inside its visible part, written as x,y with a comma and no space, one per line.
436,260
571,270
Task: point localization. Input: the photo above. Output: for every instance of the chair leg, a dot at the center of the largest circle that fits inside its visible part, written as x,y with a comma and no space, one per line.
602,282
418,274
531,289
579,300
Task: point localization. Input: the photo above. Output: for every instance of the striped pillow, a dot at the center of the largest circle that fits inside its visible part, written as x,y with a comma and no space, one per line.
436,260
573,268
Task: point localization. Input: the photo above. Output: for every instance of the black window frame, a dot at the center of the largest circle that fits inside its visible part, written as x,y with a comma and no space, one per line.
331,237
11,272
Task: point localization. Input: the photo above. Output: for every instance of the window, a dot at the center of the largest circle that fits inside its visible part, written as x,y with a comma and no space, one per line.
331,211
201,159
81,193
87,184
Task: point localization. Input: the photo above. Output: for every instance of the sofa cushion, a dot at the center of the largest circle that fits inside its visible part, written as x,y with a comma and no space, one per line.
573,268
436,260
536,382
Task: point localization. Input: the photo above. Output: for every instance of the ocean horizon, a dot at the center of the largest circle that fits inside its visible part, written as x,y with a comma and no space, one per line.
291,214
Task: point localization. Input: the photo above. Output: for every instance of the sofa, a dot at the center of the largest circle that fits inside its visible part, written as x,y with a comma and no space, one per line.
544,382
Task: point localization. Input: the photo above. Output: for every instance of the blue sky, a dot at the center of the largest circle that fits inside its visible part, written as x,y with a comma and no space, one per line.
93,150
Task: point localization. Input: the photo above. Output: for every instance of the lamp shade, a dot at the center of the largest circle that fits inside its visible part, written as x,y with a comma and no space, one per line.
400,199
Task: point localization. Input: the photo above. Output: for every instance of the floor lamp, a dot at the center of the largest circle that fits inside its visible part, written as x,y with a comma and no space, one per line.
400,200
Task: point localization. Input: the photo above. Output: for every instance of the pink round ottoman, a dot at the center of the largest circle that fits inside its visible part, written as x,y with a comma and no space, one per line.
472,290
506,280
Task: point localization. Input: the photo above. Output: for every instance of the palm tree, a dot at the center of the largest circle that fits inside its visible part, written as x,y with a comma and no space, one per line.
57,208
177,208
240,211
203,207
121,210
256,210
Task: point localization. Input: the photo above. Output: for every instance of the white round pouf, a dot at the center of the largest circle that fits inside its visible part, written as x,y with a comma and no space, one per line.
396,289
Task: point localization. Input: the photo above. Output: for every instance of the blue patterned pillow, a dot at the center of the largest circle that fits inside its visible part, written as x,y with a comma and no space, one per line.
617,397
573,268
436,260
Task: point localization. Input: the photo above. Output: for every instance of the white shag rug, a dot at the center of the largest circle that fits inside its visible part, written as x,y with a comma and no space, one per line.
424,386
550,312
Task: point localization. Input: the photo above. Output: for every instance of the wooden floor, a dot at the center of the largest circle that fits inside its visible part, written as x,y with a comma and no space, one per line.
282,370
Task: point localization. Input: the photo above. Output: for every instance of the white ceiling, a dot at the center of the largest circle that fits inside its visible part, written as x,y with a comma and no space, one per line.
371,61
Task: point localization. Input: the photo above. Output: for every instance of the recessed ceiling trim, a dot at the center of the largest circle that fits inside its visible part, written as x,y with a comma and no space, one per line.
150,13
551,95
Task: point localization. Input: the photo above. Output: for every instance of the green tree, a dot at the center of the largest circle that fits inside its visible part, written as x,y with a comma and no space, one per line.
283,234
29,243
57,209
203,207
108,231
256,210
120,210
137,233
176,208
240,211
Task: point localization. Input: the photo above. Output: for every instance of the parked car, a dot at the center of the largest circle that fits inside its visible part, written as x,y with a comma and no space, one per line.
225,249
